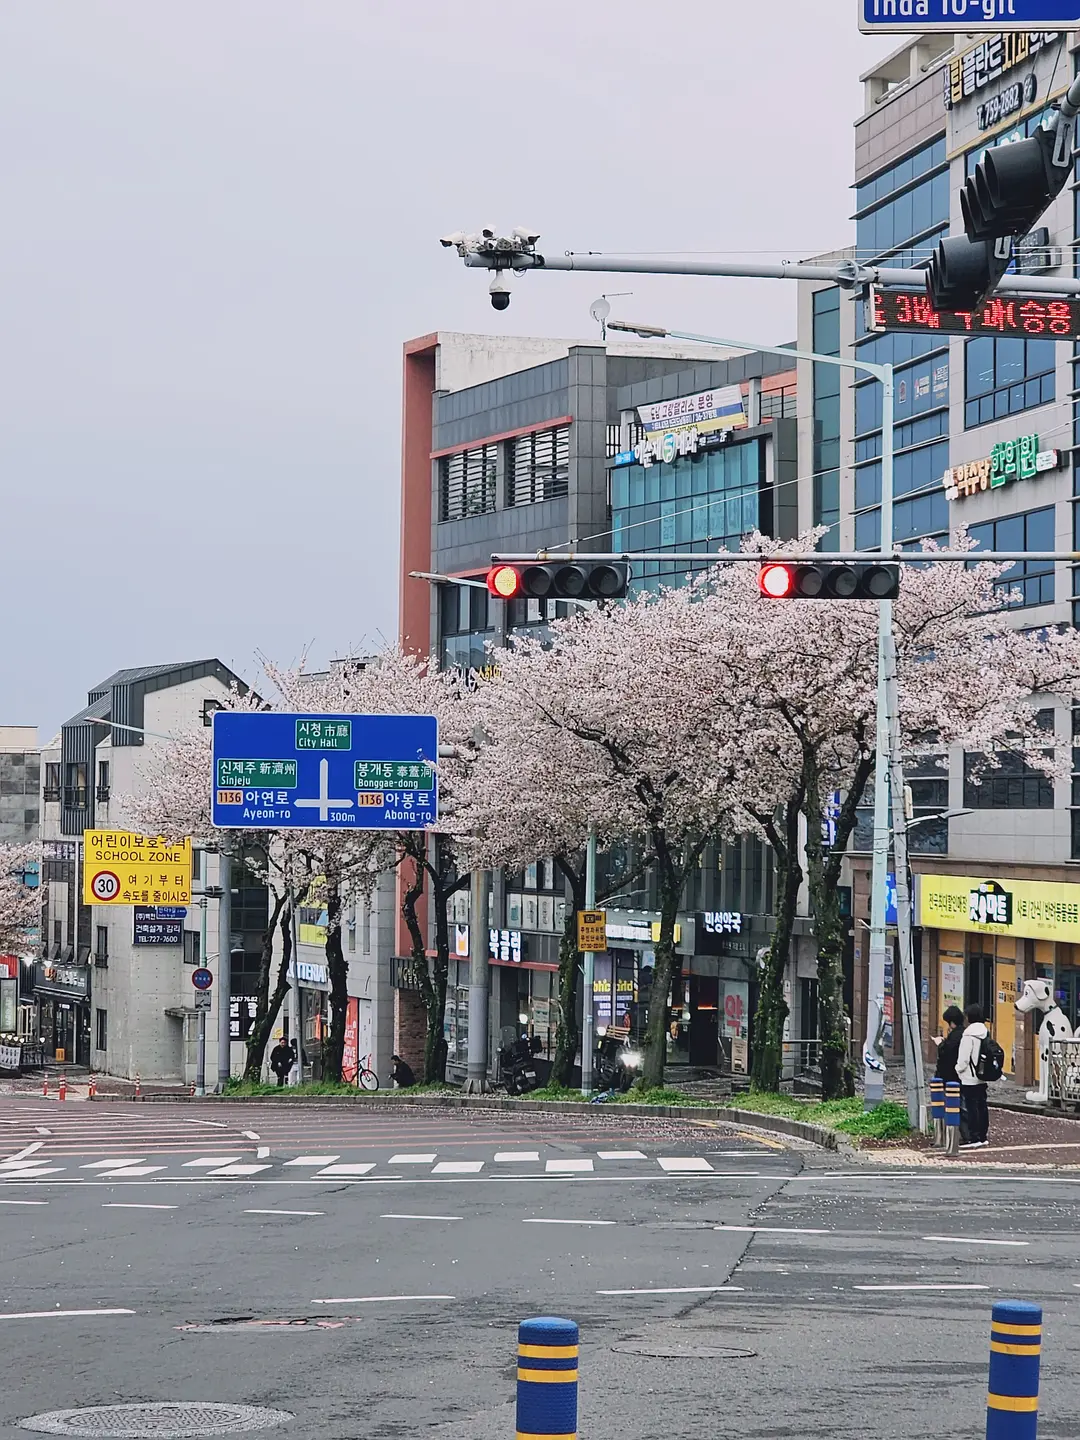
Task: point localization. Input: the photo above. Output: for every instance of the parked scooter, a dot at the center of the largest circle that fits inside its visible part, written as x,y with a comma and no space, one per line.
517,1068
618,1062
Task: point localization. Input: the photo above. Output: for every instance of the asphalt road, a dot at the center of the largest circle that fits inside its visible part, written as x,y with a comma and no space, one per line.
723,1286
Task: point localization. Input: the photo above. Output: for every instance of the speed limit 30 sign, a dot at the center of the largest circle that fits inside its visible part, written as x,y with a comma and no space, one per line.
120,868
104,886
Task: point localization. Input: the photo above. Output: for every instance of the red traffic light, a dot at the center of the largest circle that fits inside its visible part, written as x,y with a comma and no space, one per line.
504,582
776,581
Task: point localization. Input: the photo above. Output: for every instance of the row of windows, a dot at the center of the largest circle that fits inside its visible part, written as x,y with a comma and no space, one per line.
911,432
1032,580
916,211
1005,376
826,455
734,466
915,470
925,515
920,162
467,482
674,522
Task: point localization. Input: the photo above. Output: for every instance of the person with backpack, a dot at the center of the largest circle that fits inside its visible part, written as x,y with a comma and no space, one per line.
979,1061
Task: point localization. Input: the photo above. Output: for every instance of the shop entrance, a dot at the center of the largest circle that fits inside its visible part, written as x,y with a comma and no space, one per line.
1067,993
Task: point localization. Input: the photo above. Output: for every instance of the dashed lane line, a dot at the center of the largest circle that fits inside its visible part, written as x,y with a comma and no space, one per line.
973,1240
775,1230
284,1212
942,1286
546,1220
58,1314
421,1217
377,1299
133,1205
24,1202
677,1290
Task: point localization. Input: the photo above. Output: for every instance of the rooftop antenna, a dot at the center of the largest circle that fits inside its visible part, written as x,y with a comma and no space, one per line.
601,309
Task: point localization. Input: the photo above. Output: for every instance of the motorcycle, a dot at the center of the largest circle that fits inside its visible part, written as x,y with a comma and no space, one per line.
618,1063
517,1068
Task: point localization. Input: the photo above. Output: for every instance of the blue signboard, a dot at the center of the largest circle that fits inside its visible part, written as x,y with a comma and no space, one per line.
909,17
890,899
324,772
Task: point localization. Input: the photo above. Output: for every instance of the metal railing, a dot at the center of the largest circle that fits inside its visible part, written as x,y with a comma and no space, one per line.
1065,1071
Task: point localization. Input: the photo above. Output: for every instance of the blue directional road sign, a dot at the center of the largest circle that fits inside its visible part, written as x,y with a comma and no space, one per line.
324,772
910,17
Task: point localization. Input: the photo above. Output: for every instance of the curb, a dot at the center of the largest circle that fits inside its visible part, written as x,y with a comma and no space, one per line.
777,1124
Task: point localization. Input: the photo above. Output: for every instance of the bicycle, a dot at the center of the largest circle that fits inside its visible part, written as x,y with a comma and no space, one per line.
363,1077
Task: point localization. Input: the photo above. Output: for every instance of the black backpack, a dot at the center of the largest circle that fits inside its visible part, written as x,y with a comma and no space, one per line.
990,1065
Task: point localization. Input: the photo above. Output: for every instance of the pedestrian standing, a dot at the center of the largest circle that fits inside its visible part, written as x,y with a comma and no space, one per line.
972,1089
949,1051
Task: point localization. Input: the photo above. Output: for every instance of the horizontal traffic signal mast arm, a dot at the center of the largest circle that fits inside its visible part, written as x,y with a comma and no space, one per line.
812,557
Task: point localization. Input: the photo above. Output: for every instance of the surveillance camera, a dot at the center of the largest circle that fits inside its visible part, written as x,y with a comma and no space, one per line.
488,233
457,238
499,290
521,232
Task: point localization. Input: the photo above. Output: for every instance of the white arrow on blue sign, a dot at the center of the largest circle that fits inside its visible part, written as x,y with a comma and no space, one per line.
324,772
909,17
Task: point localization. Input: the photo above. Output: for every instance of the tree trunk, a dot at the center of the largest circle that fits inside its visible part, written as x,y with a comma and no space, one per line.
265,1015
671,885
415,855
772,1008
435,1040
338,967
566,1027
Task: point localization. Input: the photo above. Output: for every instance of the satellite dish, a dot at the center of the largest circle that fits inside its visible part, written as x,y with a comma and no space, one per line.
600,309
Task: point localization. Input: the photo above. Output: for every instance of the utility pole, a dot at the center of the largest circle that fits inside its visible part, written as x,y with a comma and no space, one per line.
479,972
296,1073
588,1019
224,975
200,1044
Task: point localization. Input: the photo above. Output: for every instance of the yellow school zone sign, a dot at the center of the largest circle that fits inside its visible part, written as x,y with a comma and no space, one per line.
120,868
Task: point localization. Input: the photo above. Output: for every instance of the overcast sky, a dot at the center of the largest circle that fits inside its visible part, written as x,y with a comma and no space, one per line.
221,221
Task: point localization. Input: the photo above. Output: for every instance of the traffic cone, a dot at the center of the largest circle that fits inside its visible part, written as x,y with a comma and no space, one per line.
63,1087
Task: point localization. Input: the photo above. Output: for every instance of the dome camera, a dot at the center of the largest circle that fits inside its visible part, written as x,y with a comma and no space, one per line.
499,290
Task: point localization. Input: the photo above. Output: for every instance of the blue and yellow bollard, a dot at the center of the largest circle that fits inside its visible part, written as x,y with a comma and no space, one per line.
1012,1405
547,1379
952,1117
937,1110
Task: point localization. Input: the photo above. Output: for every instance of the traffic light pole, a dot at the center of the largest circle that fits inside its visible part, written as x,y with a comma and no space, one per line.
223,980
588,959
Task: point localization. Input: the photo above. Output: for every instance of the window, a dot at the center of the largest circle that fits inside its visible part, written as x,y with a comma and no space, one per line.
1031,580
101,949
192,947
209,707
1005,376
467,482
1013,785
52,781
103,780
826,488
75,786
196,863
539,466
101,1030
780,404
57,937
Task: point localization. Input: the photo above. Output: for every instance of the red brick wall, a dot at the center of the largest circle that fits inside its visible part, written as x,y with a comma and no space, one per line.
410,1029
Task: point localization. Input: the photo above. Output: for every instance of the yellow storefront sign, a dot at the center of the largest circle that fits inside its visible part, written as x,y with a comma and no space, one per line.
121,868
1036,909
592,931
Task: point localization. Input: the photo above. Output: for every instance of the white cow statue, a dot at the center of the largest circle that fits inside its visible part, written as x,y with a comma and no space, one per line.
1039,995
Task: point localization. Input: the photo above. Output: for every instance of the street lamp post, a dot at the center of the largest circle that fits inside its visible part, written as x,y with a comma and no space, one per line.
887,735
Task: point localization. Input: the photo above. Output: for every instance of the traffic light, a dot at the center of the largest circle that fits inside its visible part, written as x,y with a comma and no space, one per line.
829,580
1011,187
565,580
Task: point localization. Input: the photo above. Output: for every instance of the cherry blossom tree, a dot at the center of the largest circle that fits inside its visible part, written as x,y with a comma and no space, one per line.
20,903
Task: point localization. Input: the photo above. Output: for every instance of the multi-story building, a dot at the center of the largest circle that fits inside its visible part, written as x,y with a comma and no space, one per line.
932,109
514,446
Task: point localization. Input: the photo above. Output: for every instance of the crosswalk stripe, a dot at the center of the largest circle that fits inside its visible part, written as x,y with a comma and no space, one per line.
621,1154
566,1167
114,1163
458,1167
130,1170
313,1160
411,1160
206,1161
361,1169
682,1164
238,1170
505,1157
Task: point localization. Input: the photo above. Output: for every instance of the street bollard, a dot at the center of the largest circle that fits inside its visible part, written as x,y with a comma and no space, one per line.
547,1379
952,1117
45,1087
937,1111
138,1086
1012,1404
63,1087
91,1089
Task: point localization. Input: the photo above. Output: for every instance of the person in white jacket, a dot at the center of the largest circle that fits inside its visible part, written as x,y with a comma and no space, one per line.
976,1116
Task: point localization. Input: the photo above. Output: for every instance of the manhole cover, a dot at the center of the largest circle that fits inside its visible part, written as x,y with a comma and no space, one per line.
683,1352
303,1322
164,1420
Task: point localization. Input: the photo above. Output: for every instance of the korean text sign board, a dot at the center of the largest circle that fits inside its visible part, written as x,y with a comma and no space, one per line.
908,17
1038,909
592,931
120,868
324,772
149,928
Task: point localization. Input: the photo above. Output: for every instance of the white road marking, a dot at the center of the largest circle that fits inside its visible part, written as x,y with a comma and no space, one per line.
621,1154
206,1162
284,1212
24,1202
133,1205
921,1287
596,1178
17,1167
677,1290
358,1169
678,1165
131,1170
217,1124
22,1154
411,1160
58,1314
967,1240
543,1220
421,1217
458,1167
42,1129
568,1167
263,1152
114,1164
313,1160
238,1170
773,1230
504,1157
36,1174
375,1299
250,1135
